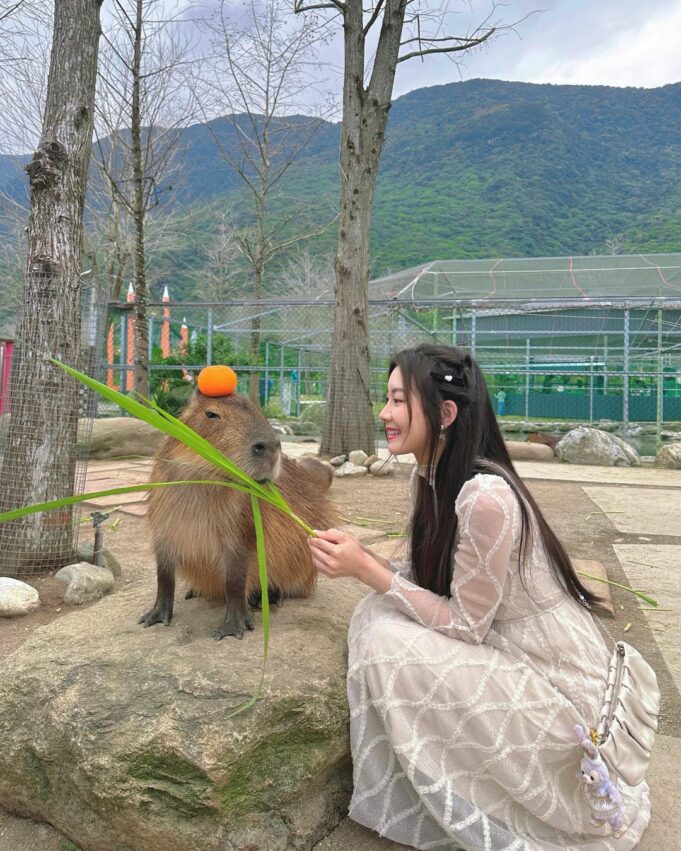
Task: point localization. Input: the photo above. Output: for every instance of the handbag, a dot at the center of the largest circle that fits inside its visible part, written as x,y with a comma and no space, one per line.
628,723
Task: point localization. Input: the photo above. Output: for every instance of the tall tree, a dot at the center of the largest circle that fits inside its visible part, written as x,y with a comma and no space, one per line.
40,459
377,37
143,103
262,70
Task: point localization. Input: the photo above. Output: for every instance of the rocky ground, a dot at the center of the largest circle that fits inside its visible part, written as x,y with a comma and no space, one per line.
625,518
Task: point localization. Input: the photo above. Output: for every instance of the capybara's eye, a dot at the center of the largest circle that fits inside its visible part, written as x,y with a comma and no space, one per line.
212,415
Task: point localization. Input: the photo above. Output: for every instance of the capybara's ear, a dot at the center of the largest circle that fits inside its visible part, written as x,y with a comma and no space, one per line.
216,381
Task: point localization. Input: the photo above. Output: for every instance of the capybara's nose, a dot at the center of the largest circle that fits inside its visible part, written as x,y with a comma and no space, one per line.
263,448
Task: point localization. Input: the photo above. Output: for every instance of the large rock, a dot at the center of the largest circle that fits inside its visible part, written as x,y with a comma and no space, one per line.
521,451
122,437
584,445
669,456
17,598
84,582
121,738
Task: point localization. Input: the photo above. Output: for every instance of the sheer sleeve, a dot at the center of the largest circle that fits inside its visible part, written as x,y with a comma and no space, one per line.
488,512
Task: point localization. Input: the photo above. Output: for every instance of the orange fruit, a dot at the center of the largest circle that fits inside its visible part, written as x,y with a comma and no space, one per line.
217,381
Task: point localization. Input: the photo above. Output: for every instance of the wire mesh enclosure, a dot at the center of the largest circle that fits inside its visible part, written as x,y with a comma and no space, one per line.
31,470
577,339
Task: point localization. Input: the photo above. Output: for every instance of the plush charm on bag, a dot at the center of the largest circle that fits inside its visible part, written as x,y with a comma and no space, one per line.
600,793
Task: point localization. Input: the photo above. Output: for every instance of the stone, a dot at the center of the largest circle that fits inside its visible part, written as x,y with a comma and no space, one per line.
107,559
120,437
371,460
338,460
84,582
281,428
669,456
522,451
17,598
123,738
585,445
382,468
358,457
350,469
304,427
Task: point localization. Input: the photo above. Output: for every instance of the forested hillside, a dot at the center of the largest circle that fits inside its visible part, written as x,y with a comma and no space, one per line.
473,169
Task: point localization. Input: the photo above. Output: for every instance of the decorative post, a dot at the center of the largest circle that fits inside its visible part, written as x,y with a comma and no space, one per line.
130,342
165,325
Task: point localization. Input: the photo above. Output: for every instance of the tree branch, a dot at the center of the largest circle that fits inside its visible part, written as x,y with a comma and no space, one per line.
465,44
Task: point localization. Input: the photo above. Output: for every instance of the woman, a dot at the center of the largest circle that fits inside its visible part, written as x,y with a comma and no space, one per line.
473,662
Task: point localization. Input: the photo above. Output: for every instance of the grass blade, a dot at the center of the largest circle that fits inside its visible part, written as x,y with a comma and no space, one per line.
644,597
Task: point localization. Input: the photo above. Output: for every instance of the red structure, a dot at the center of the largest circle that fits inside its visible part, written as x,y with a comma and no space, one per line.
6,349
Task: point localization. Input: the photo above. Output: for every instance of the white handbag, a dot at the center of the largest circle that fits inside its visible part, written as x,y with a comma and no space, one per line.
628,722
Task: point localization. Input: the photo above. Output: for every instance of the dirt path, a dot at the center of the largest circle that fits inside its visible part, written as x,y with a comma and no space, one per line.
378,506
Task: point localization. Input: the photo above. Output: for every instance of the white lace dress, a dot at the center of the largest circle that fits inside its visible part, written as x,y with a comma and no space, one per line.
463,708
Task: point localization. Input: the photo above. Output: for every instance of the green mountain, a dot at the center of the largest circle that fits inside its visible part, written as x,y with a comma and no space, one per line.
480,168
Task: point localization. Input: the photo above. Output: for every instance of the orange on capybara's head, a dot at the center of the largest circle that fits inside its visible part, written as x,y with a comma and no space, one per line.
217,381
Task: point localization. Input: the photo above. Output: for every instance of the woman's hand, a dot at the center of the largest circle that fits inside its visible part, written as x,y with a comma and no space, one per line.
337,554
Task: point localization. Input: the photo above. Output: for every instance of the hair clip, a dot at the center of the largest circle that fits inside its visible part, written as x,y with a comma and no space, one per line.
447,379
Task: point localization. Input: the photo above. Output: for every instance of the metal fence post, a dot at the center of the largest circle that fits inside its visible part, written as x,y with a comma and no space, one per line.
209,337
527,378
625,376
267,372
473,331
591,389
659,413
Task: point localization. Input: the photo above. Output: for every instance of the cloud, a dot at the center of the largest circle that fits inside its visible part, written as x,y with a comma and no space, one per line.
611,42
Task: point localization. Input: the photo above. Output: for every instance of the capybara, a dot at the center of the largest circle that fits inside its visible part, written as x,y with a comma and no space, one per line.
205,533
547,439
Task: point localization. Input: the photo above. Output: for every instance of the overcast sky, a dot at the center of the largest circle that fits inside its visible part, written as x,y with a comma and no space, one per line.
606,42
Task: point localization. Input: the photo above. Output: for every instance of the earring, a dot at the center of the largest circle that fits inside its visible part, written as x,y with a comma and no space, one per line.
442,432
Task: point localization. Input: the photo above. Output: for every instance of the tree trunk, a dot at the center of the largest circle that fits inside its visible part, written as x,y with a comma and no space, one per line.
40,459
141,350
349,420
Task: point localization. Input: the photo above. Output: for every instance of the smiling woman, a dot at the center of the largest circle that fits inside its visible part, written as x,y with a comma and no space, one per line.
473,662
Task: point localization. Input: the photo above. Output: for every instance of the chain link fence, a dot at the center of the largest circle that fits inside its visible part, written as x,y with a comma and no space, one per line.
606,362
30,464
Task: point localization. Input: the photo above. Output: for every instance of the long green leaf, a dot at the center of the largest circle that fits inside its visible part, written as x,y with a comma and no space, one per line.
53,504
650,600
264,604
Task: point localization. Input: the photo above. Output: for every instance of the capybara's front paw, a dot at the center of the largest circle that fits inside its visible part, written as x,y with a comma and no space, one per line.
233,624
159,614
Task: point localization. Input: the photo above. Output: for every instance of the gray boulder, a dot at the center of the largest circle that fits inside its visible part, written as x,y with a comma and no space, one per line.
350,469
121,437
107,559
584,445
358,457
17,598
121,737
84,582
669,456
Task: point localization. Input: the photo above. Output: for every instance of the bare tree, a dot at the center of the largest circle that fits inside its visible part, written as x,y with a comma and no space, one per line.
261,69
377,37
142,84
305,274
39,464
224,275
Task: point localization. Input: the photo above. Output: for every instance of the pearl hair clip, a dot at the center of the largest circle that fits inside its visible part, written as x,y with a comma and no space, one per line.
447,379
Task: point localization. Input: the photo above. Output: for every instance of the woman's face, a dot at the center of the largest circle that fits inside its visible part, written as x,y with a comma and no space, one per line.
404,436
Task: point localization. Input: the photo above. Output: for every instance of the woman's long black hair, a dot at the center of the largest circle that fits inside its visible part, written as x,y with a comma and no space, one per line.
472,444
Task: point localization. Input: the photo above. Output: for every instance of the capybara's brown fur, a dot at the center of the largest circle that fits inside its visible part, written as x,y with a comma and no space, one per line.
205,533
547,439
